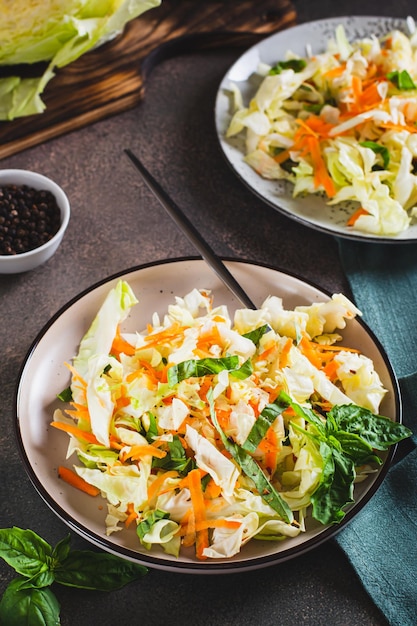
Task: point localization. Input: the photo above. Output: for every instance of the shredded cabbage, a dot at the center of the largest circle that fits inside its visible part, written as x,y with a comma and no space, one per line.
57,32
343,124
246,416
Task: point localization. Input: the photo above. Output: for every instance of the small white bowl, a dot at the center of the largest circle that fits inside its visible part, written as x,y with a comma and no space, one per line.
25,261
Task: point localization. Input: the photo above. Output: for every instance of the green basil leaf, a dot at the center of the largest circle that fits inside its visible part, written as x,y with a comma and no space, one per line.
153,428
24,550
176,458
402,80
255,335
304,412
336,486
65,395
97,571
356,448
297,65
151,518
35,607
195,368
265,419
244,371
62,549
45,578
249,466
378,431
378,149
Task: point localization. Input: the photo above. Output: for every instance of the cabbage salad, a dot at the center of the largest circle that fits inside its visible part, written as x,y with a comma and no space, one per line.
56,32
206,432
341,124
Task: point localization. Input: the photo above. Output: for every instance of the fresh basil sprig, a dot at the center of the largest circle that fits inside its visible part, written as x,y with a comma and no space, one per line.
346,439
28,598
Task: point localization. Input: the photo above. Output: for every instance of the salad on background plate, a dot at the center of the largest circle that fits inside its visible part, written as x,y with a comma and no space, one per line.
321,122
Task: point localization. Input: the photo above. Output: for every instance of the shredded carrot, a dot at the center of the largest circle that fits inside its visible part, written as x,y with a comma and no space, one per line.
361,211
282,157
285,352
204,387
74,480
336,348
151,372
76,432
321,175
270,447
209,338
122,402
121,346
132,515
155,487
187,529
137,452
370,96
289,412
254,404
197,500
212,490
331,370
211,523
79,412
399,127
356,84
269,349
307,139
335,71
184,481
115,444
75,374
166,335
307,348
223,417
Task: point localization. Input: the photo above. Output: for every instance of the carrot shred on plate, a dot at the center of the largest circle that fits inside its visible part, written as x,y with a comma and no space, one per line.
70,477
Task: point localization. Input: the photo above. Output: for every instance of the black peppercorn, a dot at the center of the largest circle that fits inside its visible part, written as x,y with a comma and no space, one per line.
28,218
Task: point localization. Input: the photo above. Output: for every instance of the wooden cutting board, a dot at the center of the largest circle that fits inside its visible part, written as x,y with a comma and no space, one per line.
112,78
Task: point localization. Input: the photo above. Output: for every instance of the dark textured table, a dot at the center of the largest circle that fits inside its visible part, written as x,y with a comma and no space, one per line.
117,224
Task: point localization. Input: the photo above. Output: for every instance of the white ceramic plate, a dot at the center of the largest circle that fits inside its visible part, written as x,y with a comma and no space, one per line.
44,375
311,210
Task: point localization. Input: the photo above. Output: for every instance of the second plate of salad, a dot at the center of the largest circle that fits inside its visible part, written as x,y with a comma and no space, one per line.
320,121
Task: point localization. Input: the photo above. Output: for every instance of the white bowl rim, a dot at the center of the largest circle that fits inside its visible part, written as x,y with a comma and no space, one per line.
33,178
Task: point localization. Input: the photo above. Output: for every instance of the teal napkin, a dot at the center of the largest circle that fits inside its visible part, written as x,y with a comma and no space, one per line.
381,541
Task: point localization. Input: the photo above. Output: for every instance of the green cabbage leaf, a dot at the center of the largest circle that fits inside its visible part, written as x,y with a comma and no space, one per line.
55,32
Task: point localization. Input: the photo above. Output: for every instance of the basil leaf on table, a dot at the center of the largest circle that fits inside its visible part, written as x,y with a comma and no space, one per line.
35,607
24,550
98,571
28,599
